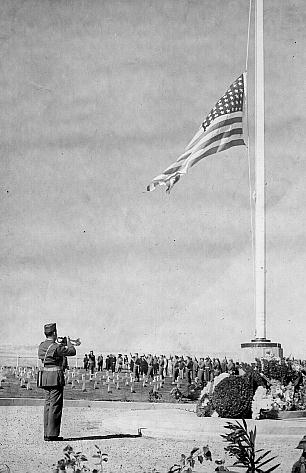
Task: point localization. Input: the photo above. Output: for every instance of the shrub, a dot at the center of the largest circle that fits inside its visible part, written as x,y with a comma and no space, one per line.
279,370
255,376
233,396
275,370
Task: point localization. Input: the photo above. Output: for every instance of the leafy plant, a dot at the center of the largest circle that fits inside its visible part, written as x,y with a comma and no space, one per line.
187,463
75,461
241,444
103,457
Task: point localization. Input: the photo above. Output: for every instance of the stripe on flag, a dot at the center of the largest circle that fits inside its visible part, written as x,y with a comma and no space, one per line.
222,129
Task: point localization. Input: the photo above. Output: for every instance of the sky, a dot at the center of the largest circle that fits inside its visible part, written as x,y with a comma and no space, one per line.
97,98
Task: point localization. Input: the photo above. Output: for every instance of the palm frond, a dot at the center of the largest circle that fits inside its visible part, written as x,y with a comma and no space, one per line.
262,456
241,444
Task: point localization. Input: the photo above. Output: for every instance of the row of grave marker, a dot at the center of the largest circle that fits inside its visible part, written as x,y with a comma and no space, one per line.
27,376
114,381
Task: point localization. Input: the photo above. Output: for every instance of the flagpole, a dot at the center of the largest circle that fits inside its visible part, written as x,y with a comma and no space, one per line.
260,217
260,346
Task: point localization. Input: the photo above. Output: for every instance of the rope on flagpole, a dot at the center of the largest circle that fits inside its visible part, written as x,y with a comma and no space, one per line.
248,40
249,163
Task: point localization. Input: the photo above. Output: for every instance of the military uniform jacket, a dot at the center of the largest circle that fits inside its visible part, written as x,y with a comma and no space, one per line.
52,355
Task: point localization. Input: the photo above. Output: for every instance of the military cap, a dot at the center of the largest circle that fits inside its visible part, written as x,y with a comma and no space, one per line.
49,328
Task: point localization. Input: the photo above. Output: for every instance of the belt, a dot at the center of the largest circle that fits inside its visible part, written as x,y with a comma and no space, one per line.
52,368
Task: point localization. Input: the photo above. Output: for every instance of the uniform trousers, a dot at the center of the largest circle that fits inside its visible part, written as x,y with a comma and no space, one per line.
189,376
150,371
201,375
54,396
136,372
176,373
207,374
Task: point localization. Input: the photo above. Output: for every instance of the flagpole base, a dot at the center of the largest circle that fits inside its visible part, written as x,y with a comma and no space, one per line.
260,348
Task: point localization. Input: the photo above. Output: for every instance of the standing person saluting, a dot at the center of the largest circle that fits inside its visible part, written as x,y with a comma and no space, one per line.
52,355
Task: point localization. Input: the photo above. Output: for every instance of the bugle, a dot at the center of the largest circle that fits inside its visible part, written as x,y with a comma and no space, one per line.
63,341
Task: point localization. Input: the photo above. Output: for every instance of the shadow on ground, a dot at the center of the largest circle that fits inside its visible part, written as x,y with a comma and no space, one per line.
104,437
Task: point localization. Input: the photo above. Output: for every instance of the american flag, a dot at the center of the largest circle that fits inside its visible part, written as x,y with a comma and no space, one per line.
221,130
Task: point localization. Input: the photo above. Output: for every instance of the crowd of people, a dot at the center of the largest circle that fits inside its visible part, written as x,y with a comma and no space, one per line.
197,371
203,369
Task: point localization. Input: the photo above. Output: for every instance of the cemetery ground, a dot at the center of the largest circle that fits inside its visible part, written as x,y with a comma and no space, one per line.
91,417
101,386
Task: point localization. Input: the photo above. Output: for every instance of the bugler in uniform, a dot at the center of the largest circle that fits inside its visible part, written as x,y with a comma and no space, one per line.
52,355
